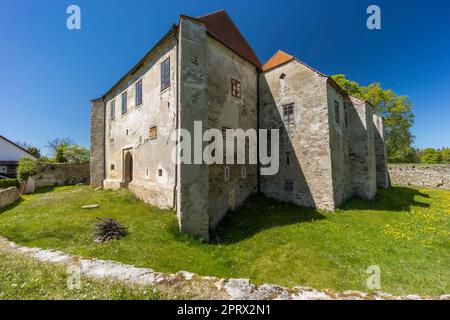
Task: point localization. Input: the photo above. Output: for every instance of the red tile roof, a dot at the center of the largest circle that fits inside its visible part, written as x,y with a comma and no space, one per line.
277,59
220,26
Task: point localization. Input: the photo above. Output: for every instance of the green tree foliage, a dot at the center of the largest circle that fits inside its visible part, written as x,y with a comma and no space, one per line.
396,111
35,152
59,156
431,155
54,144
27,167
76,154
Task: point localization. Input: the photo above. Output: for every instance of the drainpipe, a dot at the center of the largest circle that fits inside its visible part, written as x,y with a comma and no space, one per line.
175,196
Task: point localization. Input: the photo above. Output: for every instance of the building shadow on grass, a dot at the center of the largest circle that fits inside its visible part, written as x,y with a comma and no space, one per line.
393,199
258,214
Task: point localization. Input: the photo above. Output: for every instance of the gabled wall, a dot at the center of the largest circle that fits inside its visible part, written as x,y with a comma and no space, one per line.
307,141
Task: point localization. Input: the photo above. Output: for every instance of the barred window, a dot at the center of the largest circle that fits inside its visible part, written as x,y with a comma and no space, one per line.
288,114
139,93
288,185
124,102
153,132
235,88
113,109
165,74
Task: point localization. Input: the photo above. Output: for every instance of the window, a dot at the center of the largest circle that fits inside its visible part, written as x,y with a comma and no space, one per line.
288,158
3,169
288,114
336,112
346,106
112,109
113,167
153,133
227,173
165,74
160,172
288,185
124,102
235,88
282,76
244,172
139,93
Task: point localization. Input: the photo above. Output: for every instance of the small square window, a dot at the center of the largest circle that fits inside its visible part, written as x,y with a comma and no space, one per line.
153,133
227,173
139,93
235,88
113,167
288,114
160,173
288,185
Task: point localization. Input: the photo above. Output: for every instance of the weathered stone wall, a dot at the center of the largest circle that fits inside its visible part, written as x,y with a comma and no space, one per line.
339,145
59,174
97,163
362,148
193,204
8,196
227,111
383,180
420,175
305,144
153,176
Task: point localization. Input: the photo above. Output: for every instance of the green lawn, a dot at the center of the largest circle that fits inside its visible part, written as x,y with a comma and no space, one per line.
406,232
23,278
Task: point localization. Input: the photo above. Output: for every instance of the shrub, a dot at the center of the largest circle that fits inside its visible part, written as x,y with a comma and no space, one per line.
6,183
109,229
27,167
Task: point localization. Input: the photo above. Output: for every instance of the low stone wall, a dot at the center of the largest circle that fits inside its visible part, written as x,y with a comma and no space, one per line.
8,196
420,175
59,174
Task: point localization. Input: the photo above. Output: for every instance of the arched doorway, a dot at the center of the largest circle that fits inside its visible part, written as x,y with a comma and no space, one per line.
128,169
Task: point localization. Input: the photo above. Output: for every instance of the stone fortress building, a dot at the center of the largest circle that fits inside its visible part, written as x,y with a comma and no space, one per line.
331,144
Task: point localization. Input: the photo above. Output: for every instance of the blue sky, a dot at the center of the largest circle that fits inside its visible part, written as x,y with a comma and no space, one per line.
48,74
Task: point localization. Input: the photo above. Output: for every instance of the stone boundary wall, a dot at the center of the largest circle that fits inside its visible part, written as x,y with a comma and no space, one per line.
420,175
8,196
59,174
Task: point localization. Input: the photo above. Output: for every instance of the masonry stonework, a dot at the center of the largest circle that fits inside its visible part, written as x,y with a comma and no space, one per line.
328,150
420,175
8,196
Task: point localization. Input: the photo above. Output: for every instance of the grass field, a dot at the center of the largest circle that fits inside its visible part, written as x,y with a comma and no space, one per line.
405,232
24,279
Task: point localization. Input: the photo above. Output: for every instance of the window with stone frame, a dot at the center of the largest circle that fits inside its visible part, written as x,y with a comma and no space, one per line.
288,114
235,88
153,133
138,88
165,74
124,102
227,173
337,116
112,109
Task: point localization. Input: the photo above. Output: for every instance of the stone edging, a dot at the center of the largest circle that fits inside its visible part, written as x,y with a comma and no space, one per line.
186,283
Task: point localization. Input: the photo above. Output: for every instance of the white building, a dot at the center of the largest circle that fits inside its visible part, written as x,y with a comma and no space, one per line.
10,153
